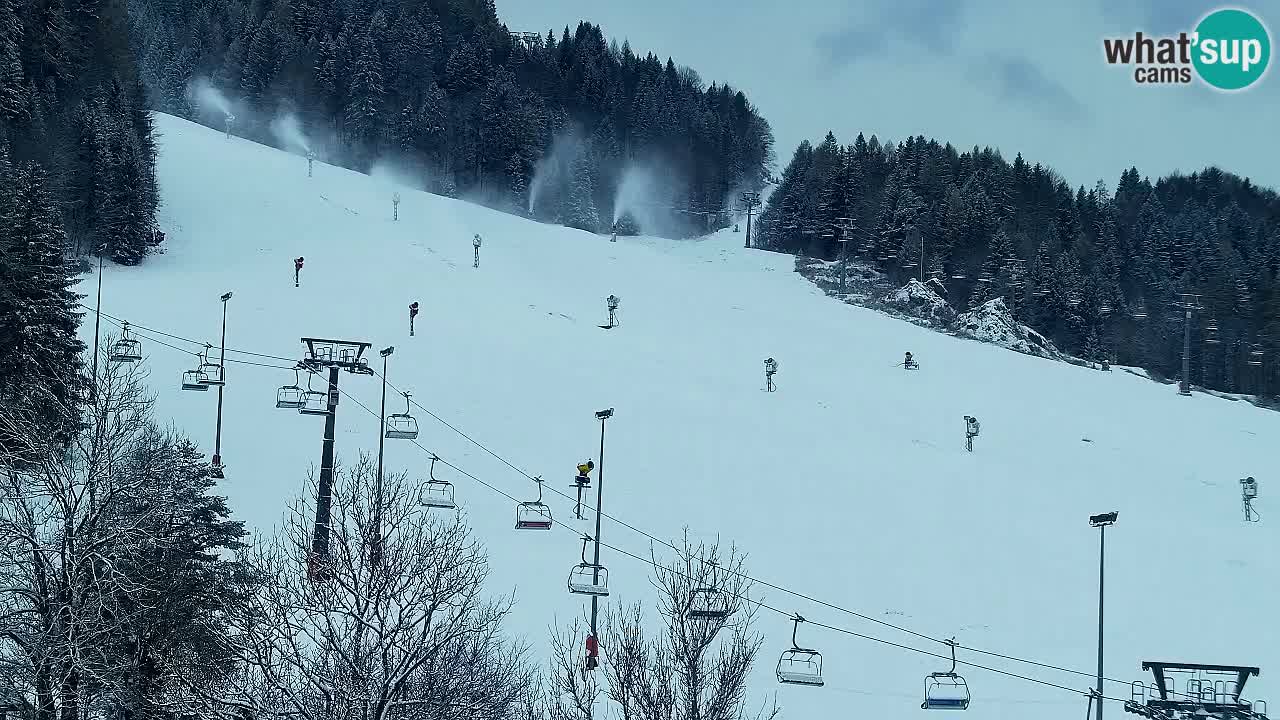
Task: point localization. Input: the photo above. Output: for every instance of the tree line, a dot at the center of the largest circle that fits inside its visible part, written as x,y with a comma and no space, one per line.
471,109
1105,276
72,103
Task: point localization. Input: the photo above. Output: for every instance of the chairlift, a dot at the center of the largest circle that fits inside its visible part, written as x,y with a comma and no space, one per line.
707,603
290,397
1255,356
946,690
212,371
1104,309
193,380
1140,313
1211,332
588,578
402,426
126,349
534,515
437,493
800,666
314,402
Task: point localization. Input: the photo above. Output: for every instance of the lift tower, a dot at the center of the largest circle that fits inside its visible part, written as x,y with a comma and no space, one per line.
335,356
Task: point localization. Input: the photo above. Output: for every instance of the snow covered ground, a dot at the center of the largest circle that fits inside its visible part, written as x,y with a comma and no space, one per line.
849,484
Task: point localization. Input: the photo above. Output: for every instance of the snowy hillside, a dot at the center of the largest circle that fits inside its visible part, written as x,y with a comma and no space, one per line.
849,484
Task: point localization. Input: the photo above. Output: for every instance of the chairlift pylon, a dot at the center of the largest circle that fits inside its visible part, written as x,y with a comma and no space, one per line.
534,515
946,690
437,493
126,349
290,397
588,578
800,666
314,402
402,426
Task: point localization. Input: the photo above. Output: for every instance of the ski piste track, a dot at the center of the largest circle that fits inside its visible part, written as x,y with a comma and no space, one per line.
909,534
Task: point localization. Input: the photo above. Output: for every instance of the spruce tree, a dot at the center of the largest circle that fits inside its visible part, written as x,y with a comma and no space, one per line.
40,354
580,207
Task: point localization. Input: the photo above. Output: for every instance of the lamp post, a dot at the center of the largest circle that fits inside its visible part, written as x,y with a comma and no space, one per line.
375,547
602,416
222,376
1101,522
97,321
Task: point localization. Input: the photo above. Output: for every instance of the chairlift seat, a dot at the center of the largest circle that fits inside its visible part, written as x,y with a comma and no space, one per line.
126,350
212,373
707,604
314,402
194,380
798,666
289,397
945,691
439,494
533,516
588,579
401,427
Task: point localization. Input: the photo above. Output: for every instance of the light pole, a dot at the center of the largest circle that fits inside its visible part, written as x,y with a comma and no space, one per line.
375,547
222,377
602,416
1101,522
97,321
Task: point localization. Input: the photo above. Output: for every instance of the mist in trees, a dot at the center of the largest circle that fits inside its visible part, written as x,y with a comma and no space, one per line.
539,125
1097,273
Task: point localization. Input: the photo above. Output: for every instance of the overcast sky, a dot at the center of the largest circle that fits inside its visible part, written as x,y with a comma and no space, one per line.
1020,76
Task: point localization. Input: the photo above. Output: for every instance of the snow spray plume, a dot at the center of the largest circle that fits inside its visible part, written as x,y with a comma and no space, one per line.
396,173
564,148
288,133
639,195
210,100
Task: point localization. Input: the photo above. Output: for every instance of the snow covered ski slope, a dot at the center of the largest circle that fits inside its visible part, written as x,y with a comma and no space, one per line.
849,484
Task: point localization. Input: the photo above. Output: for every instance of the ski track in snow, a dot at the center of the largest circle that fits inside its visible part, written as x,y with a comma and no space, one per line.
850,483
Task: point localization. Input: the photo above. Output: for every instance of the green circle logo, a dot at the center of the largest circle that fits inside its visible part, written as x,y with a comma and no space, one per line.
1232,49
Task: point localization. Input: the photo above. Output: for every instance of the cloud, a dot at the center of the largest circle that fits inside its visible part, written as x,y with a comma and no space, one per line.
1018,80
892,26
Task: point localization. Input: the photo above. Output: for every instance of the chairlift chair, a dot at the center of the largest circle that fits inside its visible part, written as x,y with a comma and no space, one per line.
437,493
1255,356
800,666
290,397
402,426
534,515
314,402
588,578
946,690
212,371
707,603
192,380
126,349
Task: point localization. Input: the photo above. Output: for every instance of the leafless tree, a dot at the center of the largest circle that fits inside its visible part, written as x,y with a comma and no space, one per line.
79,528
572,691
409,638
697,668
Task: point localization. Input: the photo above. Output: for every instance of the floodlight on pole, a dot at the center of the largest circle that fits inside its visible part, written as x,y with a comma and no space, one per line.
1101,521
376,550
